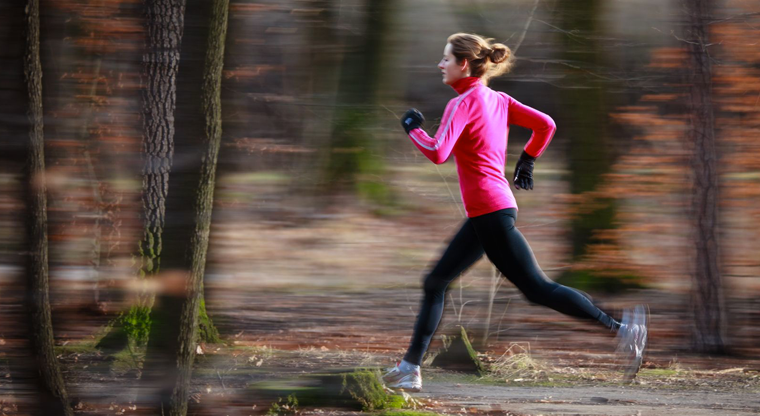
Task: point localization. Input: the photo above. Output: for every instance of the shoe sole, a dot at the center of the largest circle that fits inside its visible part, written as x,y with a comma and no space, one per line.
409,390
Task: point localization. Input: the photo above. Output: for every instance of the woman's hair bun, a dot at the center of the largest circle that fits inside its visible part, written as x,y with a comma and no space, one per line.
499,53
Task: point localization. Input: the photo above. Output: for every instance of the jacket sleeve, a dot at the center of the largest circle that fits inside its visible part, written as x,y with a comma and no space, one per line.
542,125
438,148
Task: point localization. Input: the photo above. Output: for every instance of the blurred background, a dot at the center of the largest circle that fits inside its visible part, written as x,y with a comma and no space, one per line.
325,217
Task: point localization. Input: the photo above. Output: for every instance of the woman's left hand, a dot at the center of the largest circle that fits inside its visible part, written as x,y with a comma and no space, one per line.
524,172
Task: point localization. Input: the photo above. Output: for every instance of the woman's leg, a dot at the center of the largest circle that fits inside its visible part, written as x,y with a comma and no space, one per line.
510,253
463,251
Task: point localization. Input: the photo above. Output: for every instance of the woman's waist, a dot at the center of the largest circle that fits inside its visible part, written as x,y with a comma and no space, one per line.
477,204
485,189
483,182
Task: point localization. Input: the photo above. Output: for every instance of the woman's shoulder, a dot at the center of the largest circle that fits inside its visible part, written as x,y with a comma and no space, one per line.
501,96
504,95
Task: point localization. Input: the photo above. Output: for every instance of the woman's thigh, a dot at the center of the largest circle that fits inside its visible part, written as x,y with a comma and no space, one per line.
463,251
508,249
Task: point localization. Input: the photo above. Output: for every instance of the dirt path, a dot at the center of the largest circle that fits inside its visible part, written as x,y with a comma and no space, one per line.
614,401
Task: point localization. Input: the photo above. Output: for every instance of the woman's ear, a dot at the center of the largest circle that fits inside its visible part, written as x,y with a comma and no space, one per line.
466,67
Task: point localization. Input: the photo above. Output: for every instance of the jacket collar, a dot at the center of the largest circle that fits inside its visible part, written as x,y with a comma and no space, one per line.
461,86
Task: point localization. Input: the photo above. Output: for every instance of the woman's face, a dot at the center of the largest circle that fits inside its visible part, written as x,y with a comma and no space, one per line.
451,70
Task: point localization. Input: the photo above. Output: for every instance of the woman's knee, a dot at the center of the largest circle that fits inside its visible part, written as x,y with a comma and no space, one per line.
435,285
539,293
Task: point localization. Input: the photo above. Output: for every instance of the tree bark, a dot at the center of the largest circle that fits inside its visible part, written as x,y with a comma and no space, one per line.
54,399
212,109
164,24
173,339
165,21
707,291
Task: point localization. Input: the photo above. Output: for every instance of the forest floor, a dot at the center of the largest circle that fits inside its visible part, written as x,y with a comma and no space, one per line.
540,364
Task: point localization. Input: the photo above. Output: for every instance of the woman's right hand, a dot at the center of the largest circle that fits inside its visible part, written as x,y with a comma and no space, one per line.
412,119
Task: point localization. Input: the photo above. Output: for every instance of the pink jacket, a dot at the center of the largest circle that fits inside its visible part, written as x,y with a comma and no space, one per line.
474,128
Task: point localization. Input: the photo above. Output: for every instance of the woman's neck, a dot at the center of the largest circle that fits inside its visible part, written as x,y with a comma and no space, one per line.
463,84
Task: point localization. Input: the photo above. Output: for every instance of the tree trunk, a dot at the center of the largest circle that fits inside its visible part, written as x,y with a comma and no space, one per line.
54,399
164,21
585,123
173,339
316,78
352,159
212,109
707,291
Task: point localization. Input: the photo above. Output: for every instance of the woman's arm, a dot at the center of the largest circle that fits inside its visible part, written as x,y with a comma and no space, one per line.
438,148
542,125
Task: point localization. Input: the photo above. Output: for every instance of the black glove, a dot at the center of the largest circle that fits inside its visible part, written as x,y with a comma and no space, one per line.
524,171
412,119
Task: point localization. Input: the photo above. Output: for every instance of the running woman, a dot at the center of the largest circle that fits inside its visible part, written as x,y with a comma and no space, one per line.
474,129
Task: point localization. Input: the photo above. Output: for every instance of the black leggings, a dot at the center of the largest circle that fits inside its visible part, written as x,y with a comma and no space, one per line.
495,235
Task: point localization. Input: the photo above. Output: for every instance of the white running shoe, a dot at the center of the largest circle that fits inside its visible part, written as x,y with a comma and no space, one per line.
632,339
399,380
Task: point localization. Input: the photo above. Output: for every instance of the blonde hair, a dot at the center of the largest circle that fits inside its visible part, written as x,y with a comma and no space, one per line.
487,60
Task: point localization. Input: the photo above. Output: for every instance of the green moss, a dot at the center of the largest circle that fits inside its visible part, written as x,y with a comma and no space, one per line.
406,413
359,389
133,328
396,401
364,387
659,372
207,332
471,353
136,324
288,406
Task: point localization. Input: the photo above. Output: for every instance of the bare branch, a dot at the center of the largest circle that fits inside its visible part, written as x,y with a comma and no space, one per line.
527,25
